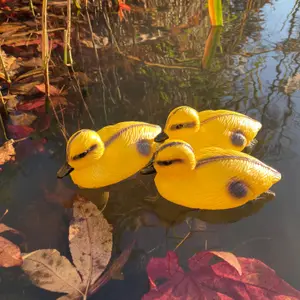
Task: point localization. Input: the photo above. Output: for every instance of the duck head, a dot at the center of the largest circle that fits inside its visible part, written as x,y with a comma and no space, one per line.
172,157
182,121
84,149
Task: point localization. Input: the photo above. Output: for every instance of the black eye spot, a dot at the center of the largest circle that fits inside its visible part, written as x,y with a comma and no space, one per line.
238,189
164,162
83,154
238,139
179,126
169,162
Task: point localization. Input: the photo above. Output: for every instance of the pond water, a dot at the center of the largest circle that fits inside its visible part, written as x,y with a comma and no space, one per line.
260,52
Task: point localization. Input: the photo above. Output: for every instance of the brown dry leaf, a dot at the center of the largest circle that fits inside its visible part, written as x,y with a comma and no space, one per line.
59,100
10,64
23,119
10,254
7,152
52,89
4,228
51,271
90,238
32,63
293,84
13,27
24,88
11,102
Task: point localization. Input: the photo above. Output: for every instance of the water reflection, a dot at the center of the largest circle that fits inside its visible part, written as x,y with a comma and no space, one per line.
260,51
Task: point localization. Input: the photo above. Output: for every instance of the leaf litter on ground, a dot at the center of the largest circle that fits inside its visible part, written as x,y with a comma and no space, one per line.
236,278
90,240
10,254
7,152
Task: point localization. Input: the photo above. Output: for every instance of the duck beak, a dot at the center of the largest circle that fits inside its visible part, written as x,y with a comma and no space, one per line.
148,169
65,170
161,137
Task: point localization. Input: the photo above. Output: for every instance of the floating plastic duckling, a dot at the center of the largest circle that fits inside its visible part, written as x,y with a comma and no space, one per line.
218,128
216,179
114,153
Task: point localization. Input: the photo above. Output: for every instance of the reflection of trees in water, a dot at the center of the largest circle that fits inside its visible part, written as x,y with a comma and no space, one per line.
157,38
278,127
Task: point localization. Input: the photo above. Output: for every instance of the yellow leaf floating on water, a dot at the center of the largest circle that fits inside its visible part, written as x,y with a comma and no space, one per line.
293,84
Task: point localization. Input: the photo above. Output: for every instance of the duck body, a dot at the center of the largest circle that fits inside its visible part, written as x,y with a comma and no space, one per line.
211,128
215,179
121,150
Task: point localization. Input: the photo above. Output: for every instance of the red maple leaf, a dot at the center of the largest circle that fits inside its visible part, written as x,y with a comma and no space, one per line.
19,131
122,6
236,278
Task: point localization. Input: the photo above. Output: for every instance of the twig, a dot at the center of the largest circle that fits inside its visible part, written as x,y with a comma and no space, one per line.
45,49
3,128
68,60
31,7
6,211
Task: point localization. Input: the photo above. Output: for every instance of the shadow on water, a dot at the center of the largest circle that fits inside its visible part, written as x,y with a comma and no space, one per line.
168,57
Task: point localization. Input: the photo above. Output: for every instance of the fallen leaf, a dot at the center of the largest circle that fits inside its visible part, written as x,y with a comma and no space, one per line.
33,104
51,271
24,88
22,119
90,239
10,254
52,89
11,102
18,131
59,100
122,6
4,228
13,27
215,281
7,153
32,62
293,84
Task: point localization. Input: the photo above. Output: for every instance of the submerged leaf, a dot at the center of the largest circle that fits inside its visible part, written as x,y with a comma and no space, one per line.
10,254
7,153
114,269
51,271
90,238
293,84
216,281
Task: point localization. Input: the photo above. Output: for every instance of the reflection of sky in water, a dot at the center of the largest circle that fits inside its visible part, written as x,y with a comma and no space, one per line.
276,25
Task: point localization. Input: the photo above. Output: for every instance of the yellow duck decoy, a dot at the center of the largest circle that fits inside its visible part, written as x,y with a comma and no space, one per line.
218,128
217,179
114,153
